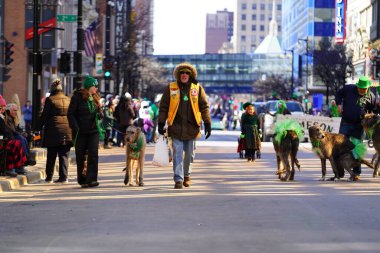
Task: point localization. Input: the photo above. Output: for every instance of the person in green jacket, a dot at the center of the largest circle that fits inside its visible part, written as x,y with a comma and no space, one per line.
250,131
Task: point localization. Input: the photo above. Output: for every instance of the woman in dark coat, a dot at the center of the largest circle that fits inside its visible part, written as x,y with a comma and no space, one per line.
124,115
84,114
57,133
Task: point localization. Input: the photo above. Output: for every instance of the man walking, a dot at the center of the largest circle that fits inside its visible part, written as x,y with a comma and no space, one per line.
183,107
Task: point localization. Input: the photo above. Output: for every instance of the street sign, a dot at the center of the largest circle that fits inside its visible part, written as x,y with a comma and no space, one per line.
67,18
99,64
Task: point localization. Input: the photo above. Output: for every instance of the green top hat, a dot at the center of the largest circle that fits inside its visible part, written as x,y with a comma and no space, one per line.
363,82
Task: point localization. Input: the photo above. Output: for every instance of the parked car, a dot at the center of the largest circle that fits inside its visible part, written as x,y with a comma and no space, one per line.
267,119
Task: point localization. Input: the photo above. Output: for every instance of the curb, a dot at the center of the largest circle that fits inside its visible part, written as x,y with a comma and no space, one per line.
36,173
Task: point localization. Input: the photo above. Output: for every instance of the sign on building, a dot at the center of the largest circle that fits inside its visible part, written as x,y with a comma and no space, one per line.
340,21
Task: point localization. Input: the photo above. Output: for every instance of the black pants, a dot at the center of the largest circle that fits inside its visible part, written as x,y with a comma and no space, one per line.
86,150
63,156
107,135
250,153
120,134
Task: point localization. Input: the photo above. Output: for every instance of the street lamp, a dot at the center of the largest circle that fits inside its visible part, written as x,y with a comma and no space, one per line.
292,83
307,61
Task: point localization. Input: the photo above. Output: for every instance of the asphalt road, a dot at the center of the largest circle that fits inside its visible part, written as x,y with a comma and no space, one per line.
232,206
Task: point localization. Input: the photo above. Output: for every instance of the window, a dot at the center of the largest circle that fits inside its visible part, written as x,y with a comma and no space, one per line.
243,27
262,28
253,28
254,6
262,17
242,38
254,16
243,17
279,7
262,7
244,6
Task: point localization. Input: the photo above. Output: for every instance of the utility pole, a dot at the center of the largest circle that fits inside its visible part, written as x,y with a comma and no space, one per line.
37,65
108,43
80,41
292,80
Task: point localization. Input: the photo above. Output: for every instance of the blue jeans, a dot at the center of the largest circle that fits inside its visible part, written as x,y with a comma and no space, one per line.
182,163
352,130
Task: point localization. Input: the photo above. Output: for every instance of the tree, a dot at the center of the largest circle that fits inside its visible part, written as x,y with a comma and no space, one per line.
273,83
331,65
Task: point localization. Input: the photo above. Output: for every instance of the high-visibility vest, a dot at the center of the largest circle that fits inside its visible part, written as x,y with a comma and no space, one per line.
175,98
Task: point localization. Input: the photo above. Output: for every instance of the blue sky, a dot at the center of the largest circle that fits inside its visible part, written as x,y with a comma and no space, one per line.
180,25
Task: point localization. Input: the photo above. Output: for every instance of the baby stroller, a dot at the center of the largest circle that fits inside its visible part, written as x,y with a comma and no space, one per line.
241,147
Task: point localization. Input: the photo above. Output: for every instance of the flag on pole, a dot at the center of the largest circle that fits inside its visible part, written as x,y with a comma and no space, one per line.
90,39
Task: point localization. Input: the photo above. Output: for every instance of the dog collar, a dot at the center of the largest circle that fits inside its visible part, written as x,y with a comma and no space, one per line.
371,129
136,146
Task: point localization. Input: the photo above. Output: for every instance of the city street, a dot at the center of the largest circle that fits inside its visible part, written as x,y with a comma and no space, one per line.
231,206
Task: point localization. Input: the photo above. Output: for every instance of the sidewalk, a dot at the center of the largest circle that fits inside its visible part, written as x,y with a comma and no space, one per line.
35,173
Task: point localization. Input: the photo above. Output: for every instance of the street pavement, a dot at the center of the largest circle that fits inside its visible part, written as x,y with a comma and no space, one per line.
231,206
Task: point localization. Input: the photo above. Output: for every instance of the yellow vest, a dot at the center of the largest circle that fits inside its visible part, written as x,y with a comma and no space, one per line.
175,97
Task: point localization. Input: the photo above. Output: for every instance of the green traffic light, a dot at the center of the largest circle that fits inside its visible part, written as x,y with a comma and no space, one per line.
107,73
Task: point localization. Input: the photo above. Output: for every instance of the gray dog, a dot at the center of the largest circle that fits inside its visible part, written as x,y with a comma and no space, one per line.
135,153
336,148
371,125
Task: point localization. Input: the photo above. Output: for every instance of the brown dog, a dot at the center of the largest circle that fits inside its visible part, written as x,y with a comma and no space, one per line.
285,150
371,125
135,153
336,148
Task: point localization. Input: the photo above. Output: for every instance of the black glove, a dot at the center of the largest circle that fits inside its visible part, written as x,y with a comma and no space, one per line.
207,129
161,129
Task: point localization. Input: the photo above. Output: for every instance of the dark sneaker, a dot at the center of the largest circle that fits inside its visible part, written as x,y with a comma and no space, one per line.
63,181
11,174
187,182
93,184
84,185
21,171
30,163
178,185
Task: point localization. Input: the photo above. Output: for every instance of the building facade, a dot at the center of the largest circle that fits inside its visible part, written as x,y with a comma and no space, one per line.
229,73
219,30
305,24
252,23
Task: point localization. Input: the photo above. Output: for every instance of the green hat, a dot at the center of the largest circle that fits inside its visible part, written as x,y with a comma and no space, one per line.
363,82
89,82
245,105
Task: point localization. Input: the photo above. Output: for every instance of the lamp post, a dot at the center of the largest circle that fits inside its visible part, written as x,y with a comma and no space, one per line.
292,81
307,61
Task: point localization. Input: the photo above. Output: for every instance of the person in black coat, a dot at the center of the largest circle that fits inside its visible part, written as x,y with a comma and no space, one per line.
84,114
56,132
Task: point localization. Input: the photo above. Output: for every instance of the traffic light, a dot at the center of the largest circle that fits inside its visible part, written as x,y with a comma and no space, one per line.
64,63
108,63
5,71
8,52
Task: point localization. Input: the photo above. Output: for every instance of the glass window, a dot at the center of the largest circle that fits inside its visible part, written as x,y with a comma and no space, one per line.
243,27
262,28
243,38
254,16
262,17
243,17
262,7
253,28
244,6
254,6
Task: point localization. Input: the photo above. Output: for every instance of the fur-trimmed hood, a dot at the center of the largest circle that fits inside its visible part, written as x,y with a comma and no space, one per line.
185,65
